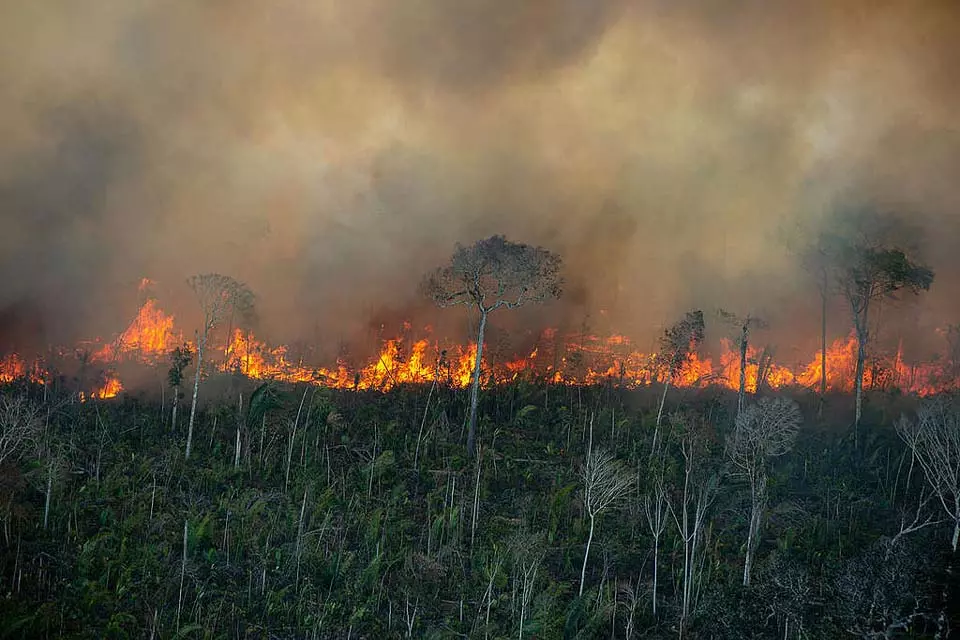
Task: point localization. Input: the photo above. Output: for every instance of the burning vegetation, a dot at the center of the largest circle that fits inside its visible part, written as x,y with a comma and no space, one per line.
571,359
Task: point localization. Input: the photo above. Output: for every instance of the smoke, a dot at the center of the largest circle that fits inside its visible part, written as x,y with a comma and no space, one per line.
330,153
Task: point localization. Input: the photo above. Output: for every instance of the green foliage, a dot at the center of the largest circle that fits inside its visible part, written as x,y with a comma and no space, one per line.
377,539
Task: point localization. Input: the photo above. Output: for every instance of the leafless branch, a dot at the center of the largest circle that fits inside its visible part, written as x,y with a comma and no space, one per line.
19,425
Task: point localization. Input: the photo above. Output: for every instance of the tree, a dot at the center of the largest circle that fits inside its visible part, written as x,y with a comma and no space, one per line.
817,261
527,551
869,267
218,296
694,498
19,425
180,359
488,275
605,482
655,511
676,345
935,441
744,325
763,431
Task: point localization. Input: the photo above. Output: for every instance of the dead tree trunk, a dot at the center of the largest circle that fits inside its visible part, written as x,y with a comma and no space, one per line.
196,391
475,391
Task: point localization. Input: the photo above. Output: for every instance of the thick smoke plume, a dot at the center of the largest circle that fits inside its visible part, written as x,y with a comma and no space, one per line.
328,153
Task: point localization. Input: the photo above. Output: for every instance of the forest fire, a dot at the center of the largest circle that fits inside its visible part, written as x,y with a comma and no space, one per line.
109,389
150,337
572,360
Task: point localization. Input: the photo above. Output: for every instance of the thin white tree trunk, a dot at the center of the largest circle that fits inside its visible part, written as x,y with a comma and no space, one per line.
656,554
656,430
586,554
236,455
476,500
183,570
293,436
196,391
475,392
46,502
176,404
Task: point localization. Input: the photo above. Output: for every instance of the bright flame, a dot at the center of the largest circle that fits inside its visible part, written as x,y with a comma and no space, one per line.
149,337
575,360
110,389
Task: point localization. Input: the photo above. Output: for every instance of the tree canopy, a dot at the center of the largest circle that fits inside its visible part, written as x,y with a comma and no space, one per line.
493,273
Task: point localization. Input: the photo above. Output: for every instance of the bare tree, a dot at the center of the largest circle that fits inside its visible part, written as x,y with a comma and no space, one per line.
763,431
655,510
689,514
19,425
630,593
605,482
744,325
218,296
935,441
488,275
527,552
676,345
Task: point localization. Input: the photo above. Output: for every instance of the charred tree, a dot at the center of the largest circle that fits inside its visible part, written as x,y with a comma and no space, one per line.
488,275
744,326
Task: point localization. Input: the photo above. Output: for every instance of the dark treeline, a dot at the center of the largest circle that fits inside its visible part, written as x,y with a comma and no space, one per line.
309,513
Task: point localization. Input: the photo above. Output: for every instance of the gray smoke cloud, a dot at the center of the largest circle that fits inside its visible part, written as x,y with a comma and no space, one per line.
329,153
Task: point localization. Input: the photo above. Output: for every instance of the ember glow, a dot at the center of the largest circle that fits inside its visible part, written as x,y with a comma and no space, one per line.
571,360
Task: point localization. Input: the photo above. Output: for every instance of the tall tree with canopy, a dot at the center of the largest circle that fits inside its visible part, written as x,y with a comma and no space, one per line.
218,296
488,275
870,267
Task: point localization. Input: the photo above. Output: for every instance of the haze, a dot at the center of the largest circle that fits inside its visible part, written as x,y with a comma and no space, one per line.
329,156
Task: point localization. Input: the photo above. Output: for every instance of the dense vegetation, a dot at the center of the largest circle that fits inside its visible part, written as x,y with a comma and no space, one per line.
353,515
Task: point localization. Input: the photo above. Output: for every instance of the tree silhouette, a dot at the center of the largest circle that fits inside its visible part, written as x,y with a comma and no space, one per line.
743,324
488,275
868,267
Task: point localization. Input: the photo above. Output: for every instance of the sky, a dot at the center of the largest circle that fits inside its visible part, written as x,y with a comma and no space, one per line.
330,153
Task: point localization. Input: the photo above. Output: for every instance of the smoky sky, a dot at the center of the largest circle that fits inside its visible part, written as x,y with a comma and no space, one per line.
329,153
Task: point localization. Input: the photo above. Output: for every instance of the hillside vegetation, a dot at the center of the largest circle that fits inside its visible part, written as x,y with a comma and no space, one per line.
360,515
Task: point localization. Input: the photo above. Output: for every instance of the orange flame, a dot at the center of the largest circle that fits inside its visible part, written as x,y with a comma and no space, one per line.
110,388
149,337
575,360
